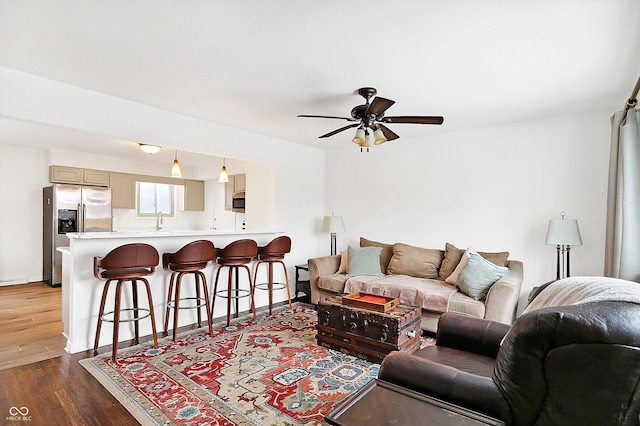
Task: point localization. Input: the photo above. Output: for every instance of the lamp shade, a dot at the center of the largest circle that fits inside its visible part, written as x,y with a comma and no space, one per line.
359,138
564,232
224,177
333,224
175,169
378,137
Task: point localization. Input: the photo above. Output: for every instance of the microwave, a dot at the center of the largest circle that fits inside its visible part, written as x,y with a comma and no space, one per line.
237,204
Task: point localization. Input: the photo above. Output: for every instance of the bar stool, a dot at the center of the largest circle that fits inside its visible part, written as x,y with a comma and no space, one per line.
190,259
234,256
273,253
127,263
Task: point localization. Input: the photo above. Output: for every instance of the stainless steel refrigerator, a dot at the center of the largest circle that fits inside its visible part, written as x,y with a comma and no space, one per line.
70,208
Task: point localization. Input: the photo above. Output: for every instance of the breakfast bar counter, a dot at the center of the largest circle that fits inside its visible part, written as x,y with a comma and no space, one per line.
81,291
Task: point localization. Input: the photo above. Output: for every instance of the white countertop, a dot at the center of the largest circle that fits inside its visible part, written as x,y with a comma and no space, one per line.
162,233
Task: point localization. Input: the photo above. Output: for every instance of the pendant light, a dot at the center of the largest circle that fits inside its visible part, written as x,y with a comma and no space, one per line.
224,177
175,170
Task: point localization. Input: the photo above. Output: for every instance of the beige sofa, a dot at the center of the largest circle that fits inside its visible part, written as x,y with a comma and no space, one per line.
401,263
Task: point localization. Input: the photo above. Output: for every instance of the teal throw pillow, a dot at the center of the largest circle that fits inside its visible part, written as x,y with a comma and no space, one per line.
477,277
363,261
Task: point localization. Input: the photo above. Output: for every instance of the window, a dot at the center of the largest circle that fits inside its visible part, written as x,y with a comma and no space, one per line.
154,198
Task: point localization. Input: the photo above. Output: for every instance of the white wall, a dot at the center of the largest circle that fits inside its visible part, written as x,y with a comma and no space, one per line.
492,188
23,173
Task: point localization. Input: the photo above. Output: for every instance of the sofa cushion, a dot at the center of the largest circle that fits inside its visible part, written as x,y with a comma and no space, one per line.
451,279
464,304
478,276
453,254
385,255
363,261
344,256
333,282
414,261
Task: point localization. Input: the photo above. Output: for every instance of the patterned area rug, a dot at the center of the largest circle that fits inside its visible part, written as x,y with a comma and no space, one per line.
265,372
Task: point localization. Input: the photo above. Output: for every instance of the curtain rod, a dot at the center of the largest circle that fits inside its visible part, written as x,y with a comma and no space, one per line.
633,100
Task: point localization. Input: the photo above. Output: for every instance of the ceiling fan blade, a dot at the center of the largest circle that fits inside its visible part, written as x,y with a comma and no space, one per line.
379,106
339,130
413,119
327,116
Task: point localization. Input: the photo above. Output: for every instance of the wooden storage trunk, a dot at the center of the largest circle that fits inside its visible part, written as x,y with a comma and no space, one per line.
367,334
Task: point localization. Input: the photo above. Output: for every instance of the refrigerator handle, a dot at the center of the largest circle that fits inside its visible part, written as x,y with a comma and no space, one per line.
84,217
82,212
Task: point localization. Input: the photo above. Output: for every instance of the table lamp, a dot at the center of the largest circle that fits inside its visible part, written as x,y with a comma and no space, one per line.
334,225
564,233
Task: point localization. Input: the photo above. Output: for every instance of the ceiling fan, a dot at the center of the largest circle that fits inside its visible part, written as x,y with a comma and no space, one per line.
369,119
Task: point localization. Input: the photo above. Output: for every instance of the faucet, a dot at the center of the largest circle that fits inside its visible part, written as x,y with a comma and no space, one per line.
159,221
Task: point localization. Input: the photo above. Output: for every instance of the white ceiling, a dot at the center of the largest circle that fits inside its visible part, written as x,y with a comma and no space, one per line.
256,64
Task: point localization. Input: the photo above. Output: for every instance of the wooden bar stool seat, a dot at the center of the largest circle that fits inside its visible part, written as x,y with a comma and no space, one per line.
235,256
273,252
127,263
190,259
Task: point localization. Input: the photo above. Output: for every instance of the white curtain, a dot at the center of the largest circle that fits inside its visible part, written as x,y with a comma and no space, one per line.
622,245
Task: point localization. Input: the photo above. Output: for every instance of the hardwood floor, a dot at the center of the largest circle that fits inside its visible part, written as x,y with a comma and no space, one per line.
30,324
57,390
37,375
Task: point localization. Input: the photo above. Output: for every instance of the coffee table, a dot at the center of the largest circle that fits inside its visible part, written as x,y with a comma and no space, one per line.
365,333
383,403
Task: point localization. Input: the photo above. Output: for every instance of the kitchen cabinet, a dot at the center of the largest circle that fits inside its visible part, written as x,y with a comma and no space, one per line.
123,190
64,174
194,195
237,183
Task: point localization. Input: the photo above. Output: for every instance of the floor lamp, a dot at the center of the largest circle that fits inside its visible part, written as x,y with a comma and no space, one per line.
333,225
564,233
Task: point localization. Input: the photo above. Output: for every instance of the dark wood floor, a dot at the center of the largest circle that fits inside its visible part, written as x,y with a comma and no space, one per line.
37,375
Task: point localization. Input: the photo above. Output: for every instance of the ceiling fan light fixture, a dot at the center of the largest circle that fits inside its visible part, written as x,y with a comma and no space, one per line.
378,137
359,138
175,169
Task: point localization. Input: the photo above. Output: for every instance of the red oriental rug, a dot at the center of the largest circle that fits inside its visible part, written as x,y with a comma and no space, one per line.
265,372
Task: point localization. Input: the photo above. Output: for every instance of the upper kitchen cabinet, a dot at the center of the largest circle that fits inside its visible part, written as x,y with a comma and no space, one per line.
123,190
237,183
194,195
64,174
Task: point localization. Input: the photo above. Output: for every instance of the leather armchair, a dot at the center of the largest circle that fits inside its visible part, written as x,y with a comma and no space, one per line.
577,364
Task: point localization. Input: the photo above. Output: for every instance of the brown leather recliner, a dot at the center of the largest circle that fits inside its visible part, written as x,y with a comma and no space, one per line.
567,365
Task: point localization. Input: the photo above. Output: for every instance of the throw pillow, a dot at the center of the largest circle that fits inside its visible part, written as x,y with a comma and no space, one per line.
414,261
363,261
343,262
462,262
453,254
385,255
477,277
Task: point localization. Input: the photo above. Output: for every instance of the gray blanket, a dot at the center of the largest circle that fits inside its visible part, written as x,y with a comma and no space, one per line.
431,294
